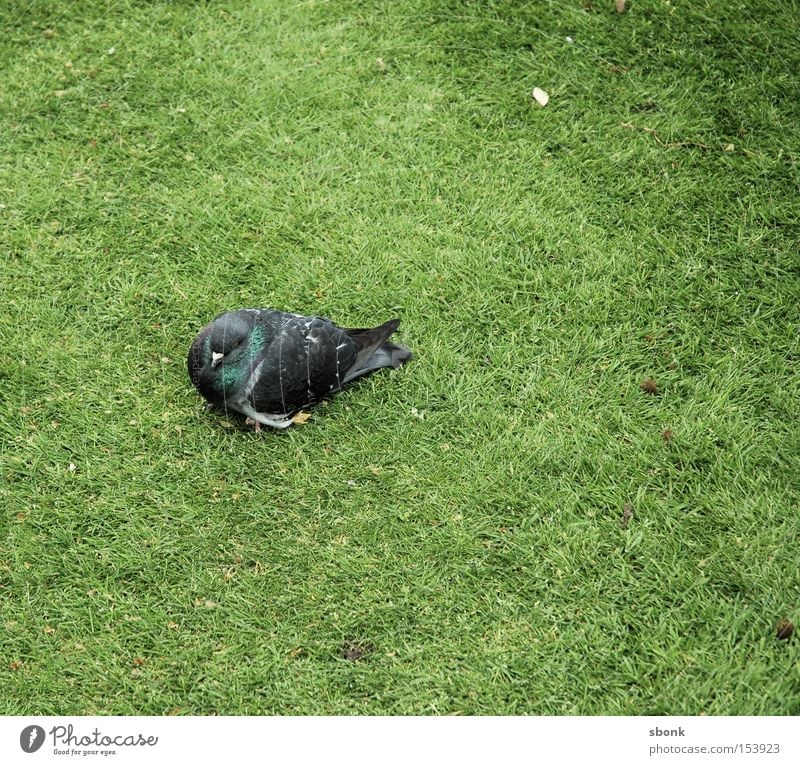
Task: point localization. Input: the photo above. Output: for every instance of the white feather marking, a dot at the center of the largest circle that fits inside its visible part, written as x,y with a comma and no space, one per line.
308,367
254,378
280,368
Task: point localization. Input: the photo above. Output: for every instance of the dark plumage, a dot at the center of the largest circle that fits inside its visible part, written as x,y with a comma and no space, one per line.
267,364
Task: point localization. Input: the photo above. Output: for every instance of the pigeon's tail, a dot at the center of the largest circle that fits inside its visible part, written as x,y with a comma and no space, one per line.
373,350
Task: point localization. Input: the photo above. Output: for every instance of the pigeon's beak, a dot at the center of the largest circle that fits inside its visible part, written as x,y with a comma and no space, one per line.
215,358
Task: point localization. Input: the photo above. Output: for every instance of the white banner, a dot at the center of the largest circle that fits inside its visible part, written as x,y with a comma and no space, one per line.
386,740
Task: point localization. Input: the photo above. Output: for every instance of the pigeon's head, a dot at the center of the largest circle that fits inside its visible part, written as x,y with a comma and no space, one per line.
228,336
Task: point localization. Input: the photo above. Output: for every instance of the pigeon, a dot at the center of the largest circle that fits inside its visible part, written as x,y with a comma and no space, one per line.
267,364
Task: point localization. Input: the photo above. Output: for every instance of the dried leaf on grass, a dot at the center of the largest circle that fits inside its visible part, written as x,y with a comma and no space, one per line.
784,629
627,514
649,386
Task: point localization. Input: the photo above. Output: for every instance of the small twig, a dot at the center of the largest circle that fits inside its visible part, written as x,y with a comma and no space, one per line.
180,291
671,144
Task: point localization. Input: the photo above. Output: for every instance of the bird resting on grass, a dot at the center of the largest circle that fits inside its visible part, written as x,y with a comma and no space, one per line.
267,364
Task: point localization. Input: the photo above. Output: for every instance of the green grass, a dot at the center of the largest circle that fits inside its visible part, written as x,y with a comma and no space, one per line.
163,161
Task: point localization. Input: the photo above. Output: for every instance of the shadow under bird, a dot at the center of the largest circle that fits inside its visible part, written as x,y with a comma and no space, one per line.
267,364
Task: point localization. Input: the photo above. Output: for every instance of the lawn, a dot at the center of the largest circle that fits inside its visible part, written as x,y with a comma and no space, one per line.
512,523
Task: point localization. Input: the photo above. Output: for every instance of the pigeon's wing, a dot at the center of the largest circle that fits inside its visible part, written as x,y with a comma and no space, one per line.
304,358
